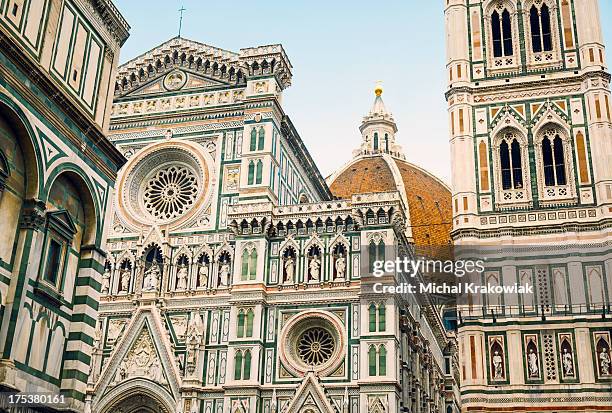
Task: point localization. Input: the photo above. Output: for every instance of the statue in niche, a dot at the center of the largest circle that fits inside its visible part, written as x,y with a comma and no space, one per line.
340,267
498,366
568,362
151,278
224,273
181,276
532,358
604,362
289,266
105,281
203,276
125,280
315,268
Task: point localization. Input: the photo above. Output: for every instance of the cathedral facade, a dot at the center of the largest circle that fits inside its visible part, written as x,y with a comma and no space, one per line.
233,281
531,136
57,173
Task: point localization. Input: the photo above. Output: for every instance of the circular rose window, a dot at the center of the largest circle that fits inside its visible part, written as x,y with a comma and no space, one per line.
170,192
313,341
316,346
166,183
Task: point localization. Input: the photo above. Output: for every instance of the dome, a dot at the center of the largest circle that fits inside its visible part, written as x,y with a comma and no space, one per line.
429,200
379,165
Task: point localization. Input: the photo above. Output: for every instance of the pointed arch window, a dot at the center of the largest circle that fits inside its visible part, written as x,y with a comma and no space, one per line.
258,172
242,365
382,361
377,360
251,173
249,264
553,160
262,139
372,317
501,30
238,365
377,317
253,142
241,322
250,317
372,361
376,252
511,167
541,36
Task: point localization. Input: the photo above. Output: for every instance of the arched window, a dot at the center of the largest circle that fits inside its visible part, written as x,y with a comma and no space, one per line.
372,317
497,36
249,264
382,322
238,365
541,37
386,142
241,320
517,167
250,316
382,361
372,361
253,264
507,33
501,30
559,161
510,163
377,317
258,172
251,177
246,374
375,141
253,143
506,170
262,139
553,161
376,252
245,265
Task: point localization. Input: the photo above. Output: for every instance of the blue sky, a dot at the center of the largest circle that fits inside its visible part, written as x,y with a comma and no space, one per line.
339,49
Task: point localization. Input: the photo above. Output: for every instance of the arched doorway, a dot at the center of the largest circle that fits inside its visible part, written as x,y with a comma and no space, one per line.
136,395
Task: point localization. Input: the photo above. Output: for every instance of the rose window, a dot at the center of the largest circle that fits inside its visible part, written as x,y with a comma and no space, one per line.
316,346
170,192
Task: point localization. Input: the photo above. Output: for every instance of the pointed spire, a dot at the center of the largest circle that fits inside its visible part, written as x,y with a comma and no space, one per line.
378,129
379,106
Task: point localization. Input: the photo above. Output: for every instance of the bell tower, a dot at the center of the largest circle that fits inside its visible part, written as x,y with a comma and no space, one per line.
529,112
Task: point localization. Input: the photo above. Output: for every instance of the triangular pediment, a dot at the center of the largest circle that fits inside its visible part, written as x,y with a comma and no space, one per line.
310,396
143,353
204,66
175,80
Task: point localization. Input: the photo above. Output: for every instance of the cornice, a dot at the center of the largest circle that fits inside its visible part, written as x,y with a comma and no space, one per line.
525,84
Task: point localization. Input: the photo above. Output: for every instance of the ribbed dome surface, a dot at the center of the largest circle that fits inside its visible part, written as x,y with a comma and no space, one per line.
429,201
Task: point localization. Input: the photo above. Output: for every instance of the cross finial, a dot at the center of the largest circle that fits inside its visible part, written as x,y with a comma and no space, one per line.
181,10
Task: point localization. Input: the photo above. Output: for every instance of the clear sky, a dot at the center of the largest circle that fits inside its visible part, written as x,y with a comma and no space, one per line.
339,49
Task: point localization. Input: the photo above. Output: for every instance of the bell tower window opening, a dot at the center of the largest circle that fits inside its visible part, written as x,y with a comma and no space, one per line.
554,162
510,162
501,29
541,36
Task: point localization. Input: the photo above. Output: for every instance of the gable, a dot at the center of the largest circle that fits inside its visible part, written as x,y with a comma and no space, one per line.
310,396
175,80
